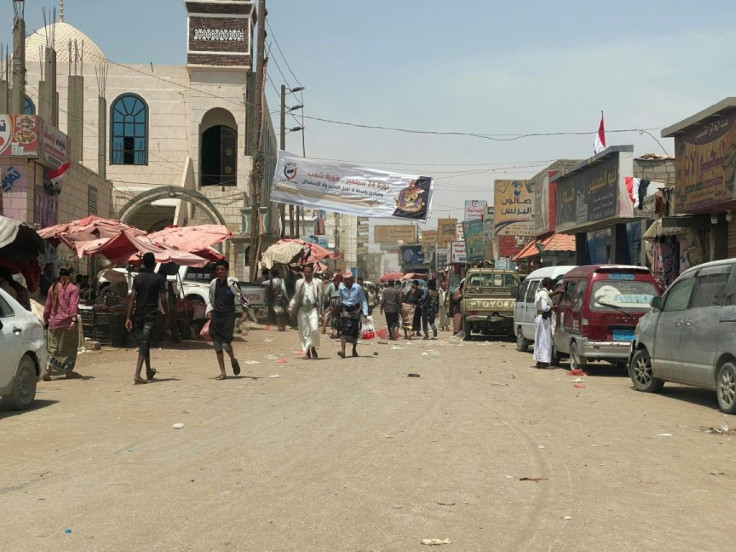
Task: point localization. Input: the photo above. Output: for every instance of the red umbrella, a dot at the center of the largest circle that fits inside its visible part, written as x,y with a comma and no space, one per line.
126,247
316,252
191,238
391,276
86,229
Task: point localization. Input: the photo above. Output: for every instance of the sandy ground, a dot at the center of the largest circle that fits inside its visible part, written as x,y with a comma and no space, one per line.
353,455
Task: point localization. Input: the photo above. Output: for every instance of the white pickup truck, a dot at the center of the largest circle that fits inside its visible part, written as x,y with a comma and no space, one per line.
189,282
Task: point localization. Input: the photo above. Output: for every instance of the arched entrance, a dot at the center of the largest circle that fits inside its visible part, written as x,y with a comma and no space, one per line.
218,149
170,192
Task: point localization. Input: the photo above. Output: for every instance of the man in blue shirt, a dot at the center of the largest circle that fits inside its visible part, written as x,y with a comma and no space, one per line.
353,303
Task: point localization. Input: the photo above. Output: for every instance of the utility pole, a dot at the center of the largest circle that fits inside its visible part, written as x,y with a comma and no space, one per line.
256,177
282,214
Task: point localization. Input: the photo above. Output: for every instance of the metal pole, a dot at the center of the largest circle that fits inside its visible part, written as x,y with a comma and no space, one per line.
256,177
282,211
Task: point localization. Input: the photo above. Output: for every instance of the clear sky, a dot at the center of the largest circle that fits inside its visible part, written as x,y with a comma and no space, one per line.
486,67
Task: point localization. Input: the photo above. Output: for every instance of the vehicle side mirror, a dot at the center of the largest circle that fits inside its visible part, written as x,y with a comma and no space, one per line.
656,303
515,292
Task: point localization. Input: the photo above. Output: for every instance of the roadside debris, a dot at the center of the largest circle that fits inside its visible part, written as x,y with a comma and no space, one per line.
723,430
435,542
575,373
414,375
535,479
274,376
445,503
664,435
178,425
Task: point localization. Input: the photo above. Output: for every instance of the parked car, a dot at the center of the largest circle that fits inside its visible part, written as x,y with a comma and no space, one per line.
598,312
191,283
488,301
688,336
23,350
526,309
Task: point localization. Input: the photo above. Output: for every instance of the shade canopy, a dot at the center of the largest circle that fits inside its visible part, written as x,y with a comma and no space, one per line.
391,276
289,251
193,239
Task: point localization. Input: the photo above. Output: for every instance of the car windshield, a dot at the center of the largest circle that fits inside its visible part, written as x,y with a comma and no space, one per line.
492,280
627,295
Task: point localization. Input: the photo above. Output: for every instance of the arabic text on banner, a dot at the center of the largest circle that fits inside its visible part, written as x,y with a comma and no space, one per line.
514,207
351,189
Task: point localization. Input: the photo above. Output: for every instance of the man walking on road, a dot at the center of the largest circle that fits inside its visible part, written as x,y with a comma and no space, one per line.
390,304
221,314
430,309
307,305
148,289
353,303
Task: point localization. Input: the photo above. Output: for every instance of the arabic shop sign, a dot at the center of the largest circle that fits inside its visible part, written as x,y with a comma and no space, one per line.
595,193
704,165
474,247
513,201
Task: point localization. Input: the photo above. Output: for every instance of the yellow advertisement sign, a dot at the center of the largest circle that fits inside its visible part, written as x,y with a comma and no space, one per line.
429,237
513,201
388,234
445,232
704,163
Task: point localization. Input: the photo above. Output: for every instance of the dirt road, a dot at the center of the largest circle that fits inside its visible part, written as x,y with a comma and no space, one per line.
353,455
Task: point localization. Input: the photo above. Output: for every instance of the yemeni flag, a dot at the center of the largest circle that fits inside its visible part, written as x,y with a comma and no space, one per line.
600,138
56,175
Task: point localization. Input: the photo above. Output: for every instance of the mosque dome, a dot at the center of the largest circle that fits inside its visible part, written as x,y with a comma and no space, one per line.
64,33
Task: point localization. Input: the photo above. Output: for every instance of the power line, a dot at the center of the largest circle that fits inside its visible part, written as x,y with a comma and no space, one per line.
273,35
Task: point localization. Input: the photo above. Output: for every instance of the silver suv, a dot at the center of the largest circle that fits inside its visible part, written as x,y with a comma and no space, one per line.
688,336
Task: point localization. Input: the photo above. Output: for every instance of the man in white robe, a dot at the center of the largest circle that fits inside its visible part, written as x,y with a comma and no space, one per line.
307,304
543,325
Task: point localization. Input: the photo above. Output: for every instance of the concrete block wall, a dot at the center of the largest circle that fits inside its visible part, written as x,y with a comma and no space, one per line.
658,170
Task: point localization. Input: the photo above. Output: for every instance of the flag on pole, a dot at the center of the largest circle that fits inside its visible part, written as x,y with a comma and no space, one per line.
56,175
600,138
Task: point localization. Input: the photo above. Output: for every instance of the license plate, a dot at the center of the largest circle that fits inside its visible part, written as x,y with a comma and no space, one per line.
623,335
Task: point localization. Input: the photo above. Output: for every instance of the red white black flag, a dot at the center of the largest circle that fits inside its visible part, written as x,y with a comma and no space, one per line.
600,138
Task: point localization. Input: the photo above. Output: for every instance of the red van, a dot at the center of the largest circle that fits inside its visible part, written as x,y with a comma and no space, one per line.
598,312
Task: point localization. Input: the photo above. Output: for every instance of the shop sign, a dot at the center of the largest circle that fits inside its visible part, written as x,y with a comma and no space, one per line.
31,137
594,194
459,234
514,207
475,209
390,234
429,237
12,175
445,231
474,248
45,209
704,165
457,253
507,246
545,216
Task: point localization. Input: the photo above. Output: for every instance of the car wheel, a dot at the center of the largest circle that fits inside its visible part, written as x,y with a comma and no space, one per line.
726,388
640,372
577,362
466,329
522,343
24,386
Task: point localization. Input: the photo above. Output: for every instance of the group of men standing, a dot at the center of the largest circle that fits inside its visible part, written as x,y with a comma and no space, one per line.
415,306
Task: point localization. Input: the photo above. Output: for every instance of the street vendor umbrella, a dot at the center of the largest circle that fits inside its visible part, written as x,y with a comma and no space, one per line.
191,238
281,253
86,229
123,246
18,241
316,252
391,276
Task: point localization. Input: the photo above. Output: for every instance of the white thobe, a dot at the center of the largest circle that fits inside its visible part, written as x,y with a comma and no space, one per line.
543,328
308,318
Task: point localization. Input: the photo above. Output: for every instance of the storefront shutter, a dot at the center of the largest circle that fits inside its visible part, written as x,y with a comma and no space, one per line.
731,239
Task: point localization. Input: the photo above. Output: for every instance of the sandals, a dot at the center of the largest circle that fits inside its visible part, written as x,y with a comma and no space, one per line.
139,381
315,356
341,354
73,375
46,377
236,368
221,377
150,373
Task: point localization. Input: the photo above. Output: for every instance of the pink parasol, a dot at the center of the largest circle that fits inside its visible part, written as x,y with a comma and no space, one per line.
127,247
86,229
316,252
191,238
391,276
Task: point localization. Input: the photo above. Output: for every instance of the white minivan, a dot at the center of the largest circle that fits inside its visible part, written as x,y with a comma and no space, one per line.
526,309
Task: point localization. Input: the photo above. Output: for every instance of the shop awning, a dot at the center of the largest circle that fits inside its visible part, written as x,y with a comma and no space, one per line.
554,243
530,250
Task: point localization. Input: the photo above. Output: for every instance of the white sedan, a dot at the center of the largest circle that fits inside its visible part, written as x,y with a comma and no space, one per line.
23,353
